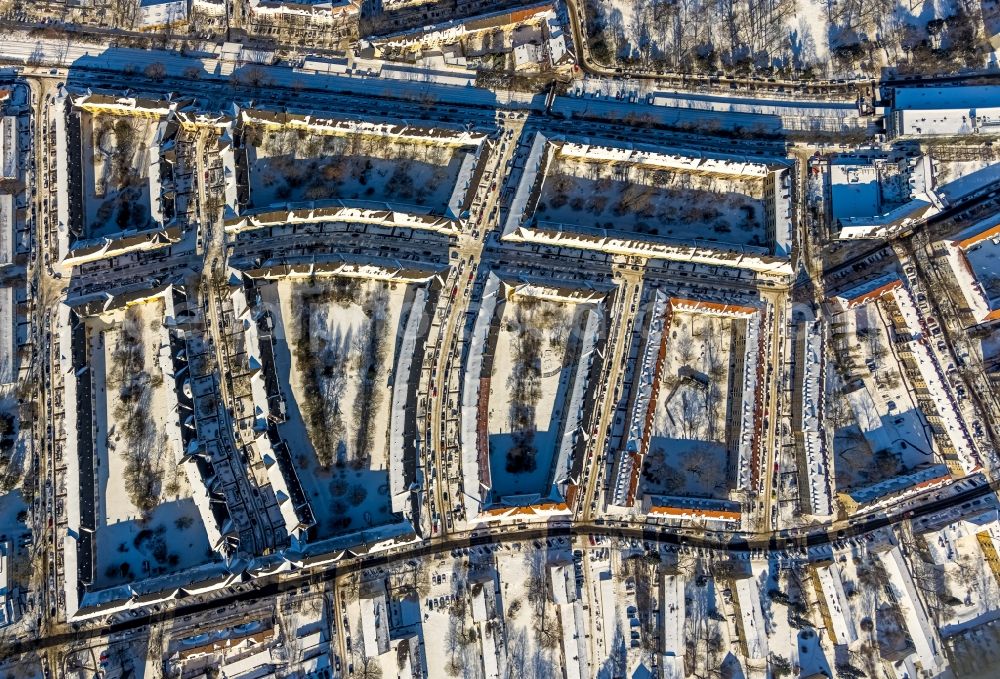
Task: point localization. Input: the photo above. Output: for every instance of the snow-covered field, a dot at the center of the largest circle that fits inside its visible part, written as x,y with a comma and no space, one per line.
288,167
147,520
115,158
339,401
853,459
822,39
446,581
782,600
706,638
687,445
532,625
663,203
531,379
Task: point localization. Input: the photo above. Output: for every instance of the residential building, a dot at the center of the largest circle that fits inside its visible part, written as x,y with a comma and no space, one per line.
161,14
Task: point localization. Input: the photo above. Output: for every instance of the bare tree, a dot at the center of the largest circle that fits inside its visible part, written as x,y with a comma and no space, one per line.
155,71
367,668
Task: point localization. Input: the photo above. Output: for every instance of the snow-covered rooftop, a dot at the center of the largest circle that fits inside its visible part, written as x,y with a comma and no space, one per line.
813,440
475,462
931,98
9,161
921,629
748,596
858,188
400,448
916,481
462,185
62,174
854,190
673,611
375,621
832,585
750,407
334,210
868,290
324,9
7,228
397,131
645,387
984,260
669,160
945,111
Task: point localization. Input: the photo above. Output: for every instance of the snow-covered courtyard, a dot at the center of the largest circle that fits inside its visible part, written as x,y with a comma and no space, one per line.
531,621
687,443
540,341
148,523
642,200
288,165
334,354
116,154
